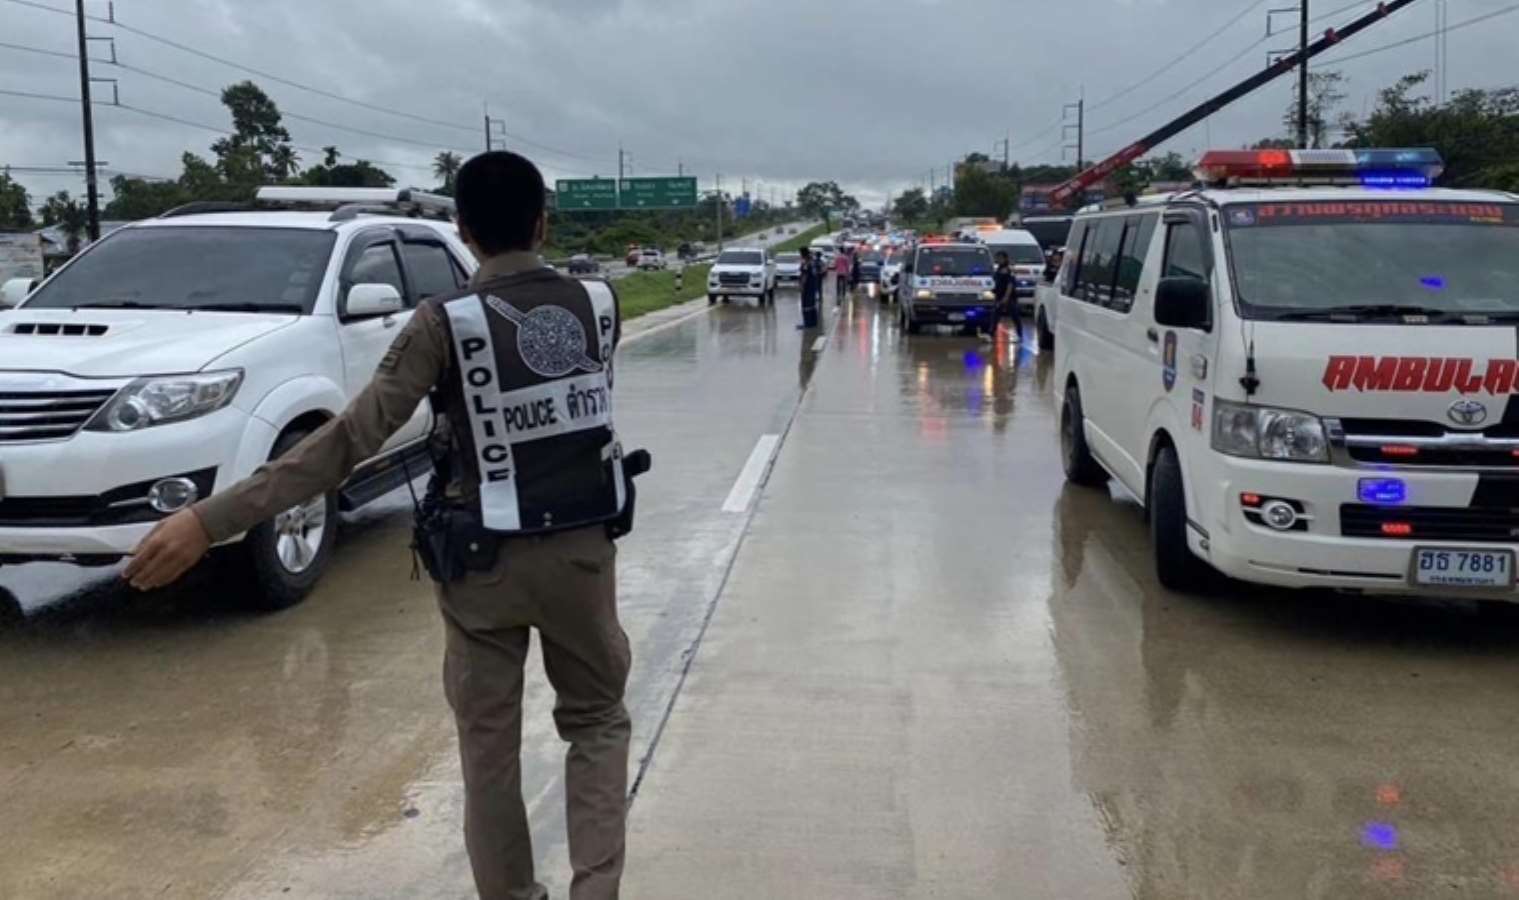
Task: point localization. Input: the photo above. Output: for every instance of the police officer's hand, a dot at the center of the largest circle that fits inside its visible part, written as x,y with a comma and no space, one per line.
170,550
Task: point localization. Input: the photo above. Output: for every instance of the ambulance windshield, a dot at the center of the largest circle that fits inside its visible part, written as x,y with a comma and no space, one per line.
1376,260
956,262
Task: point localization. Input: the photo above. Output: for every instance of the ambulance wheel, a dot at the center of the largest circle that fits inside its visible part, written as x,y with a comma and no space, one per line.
1046,337
285,557
1080,467
910,322
1176,566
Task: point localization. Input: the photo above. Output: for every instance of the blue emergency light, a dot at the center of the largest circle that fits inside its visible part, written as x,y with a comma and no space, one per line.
1390,168
1382,491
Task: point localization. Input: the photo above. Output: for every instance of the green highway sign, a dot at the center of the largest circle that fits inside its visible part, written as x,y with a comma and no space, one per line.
586,193
658,193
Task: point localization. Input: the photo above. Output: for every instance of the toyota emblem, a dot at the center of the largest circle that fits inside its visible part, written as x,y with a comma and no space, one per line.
1469,413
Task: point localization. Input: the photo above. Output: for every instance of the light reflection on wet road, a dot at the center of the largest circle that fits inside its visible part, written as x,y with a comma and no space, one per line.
934,671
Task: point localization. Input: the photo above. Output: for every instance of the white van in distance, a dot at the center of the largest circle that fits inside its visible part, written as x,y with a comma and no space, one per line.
1306,374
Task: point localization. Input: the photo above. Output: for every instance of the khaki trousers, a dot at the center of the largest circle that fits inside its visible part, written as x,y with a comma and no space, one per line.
565,586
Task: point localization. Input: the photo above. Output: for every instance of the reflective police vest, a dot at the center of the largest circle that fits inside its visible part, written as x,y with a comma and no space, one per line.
532,408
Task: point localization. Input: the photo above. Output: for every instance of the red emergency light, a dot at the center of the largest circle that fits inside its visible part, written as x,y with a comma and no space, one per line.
1397,529
1394,168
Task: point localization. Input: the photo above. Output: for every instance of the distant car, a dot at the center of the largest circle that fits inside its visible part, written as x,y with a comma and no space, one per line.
788,268
650,260
742,272
583,264
686,252
870,267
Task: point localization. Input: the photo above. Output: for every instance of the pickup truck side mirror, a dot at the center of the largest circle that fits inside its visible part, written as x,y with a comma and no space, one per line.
1184,303
373,300
14,290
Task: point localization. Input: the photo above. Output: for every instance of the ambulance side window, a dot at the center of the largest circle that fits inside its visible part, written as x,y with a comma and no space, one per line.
1073,253
1131,263
1184,253
1099,262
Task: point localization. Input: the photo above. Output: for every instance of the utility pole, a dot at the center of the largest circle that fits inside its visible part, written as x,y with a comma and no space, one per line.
1080,106
719,205
1007,144
92,186
1302,76
680,168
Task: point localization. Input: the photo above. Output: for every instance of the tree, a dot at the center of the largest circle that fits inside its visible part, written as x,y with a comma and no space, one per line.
1476,132
1324,96
446,166
285,162
359,174
330,156
980,193
249,154
912,206
68,214
817,198
1274,144
15,204
137,198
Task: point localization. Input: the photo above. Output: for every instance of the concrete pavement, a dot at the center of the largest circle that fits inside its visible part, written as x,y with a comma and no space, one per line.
930,670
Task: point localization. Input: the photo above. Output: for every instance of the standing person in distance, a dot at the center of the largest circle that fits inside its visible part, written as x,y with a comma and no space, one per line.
811,289
854,270
1005,286
529,490
841,267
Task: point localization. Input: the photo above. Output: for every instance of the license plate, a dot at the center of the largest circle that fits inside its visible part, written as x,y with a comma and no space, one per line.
1464,568
956,317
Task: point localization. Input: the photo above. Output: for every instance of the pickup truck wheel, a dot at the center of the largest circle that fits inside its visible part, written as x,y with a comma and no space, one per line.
1176,566
711,299
1076,457
285,557
1046,337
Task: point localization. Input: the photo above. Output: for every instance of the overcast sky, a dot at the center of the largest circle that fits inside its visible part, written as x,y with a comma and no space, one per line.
871,94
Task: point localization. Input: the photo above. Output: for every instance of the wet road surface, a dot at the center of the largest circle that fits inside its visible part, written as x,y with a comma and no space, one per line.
931,670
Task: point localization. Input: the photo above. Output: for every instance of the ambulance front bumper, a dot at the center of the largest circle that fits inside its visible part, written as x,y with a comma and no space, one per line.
1316,551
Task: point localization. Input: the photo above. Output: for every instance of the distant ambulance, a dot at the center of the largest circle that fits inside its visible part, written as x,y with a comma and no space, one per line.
1307,373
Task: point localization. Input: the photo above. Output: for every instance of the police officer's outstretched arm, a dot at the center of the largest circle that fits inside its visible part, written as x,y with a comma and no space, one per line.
413,365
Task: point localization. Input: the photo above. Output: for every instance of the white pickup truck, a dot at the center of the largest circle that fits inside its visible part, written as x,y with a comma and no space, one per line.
742,272
175,356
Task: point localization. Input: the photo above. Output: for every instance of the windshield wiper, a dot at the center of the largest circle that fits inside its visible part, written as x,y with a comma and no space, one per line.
116,304
294,308
1361,312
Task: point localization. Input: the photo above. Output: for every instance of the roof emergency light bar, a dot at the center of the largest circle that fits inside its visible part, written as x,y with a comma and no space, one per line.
395,201
1394,168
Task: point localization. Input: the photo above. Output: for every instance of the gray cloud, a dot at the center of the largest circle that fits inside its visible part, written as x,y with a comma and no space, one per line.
870,94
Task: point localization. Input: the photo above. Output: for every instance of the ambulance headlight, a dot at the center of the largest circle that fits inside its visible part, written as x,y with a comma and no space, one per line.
1261,432
924,294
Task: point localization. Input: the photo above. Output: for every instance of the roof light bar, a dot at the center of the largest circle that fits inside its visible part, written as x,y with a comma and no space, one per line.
1391,168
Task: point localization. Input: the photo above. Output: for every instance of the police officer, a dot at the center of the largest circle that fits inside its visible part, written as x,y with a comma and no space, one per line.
529,492
811,288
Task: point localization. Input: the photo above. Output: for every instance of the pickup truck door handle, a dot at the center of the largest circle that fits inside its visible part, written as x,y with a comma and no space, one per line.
1153,335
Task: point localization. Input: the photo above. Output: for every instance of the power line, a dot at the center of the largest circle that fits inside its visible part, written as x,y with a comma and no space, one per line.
1181,57
1419,37
1183,90
472,129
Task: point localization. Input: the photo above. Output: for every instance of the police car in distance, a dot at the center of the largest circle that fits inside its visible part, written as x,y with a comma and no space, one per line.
175,356
1307,373
945,283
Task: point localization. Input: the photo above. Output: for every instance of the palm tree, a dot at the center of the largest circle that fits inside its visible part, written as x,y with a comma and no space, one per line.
284,161
446,166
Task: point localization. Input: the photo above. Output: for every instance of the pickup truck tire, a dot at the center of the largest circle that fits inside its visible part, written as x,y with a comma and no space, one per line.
1075,456
284,558
711,299
1176,566
770,297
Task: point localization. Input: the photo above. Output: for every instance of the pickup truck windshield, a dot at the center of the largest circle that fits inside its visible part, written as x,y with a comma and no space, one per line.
740,258
242,269
954,261
788,257
1376,260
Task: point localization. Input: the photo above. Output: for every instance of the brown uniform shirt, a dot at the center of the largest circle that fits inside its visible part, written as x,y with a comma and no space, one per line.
416,362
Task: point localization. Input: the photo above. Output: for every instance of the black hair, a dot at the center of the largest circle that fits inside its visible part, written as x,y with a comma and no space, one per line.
1003,254
806,252
500,197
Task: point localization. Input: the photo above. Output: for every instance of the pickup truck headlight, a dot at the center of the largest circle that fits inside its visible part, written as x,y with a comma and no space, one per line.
924,294
1262,432
172,398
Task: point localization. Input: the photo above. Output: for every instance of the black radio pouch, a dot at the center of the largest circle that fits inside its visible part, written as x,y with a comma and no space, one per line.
452,543
633,465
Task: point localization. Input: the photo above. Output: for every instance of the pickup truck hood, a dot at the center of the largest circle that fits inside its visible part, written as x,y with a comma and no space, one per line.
109,343
1375,371
748,270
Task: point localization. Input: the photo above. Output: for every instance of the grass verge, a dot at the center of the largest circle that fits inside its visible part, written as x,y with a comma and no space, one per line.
800,240
641,293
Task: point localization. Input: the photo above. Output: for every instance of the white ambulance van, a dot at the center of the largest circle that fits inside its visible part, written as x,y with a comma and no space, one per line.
1307,372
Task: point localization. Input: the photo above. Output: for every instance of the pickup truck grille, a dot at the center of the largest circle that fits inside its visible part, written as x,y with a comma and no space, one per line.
47,415
733,278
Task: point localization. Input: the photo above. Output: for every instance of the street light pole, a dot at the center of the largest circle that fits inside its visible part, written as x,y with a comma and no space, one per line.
92,186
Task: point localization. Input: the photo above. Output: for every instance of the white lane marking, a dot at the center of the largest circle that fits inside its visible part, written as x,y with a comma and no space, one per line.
664,325
819,344
754,470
